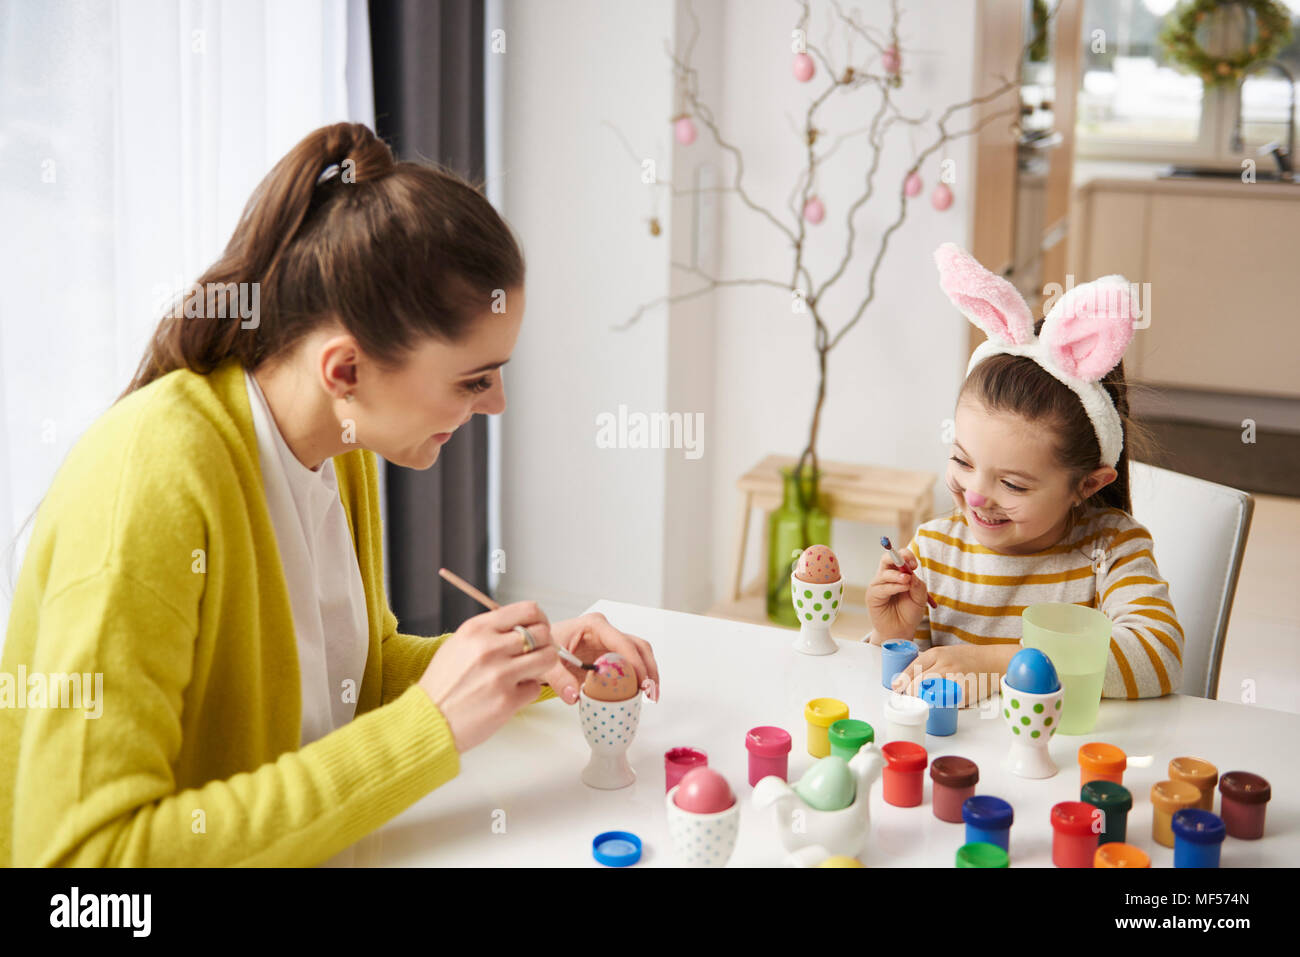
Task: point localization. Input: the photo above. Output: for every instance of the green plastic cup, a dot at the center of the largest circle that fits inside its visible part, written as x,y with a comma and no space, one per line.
848,735
979,854
1077,639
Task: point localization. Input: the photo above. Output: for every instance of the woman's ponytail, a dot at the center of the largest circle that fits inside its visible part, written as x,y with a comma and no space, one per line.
339,229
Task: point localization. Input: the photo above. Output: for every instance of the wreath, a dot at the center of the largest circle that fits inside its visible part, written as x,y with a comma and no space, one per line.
1272,32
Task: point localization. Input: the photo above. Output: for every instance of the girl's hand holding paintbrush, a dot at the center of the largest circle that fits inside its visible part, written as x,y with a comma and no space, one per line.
897,599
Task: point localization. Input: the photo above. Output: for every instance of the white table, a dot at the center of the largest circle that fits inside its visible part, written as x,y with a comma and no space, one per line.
518,800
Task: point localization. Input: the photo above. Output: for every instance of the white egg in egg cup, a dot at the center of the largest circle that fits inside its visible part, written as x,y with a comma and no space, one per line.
609,727
816,607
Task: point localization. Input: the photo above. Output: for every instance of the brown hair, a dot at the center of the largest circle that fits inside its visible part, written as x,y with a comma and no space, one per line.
395,251
1020,385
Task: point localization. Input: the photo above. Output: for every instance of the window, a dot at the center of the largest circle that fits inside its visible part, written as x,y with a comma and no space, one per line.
1134,104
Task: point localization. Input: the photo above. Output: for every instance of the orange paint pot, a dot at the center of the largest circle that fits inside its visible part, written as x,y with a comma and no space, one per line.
1115,854
1101,762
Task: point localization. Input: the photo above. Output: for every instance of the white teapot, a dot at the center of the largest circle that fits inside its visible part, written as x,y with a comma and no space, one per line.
840,833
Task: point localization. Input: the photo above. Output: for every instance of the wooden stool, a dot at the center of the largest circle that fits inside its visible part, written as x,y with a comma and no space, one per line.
897,498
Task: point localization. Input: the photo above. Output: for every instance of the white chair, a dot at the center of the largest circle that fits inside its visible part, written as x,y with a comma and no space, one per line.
1199,529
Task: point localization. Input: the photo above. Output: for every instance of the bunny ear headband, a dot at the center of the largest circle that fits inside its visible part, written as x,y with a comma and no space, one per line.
1084,335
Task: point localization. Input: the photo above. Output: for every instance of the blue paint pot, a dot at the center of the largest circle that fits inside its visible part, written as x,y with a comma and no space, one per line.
943,695
988,820
894,657
1198,838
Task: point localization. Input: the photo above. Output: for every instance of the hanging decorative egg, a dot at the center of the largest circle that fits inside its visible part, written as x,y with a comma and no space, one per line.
912,185
814,211
803,67
684,130
891,61
941,198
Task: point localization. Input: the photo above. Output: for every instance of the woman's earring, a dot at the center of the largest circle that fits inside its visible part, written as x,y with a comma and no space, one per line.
348,397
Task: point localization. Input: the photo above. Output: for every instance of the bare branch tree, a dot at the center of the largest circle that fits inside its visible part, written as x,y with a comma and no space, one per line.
881,72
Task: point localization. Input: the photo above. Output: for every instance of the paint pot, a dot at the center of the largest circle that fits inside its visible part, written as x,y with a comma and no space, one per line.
988,820
1200,774
678,761
1114,802
769,752
1101,762
1116,854
820,714
895,656
904,774
1168,798
1198,837
1244,797
1074,841
953,780
848,735
943,695
905,718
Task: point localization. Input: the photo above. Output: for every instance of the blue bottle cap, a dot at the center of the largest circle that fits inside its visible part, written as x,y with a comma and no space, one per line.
616,848
987,812
1198,826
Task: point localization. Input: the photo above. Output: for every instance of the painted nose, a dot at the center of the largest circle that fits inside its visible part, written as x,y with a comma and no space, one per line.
975,500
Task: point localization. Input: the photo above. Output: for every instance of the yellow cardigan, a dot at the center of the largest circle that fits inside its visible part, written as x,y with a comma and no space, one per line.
154,563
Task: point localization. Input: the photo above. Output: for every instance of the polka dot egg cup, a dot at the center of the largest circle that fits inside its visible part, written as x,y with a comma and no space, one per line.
609,727
702,840
1032,720
816,606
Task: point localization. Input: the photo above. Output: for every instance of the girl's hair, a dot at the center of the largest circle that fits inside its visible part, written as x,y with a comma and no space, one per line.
395,251
1021,386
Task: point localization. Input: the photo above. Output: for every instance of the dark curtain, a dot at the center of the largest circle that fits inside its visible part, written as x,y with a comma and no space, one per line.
428,76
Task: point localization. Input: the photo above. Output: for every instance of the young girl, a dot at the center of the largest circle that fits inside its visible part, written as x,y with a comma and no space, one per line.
1038,470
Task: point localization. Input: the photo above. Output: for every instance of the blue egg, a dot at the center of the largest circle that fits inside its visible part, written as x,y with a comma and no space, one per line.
1032,672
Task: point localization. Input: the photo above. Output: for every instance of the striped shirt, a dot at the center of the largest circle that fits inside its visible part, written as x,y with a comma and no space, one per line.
1104,562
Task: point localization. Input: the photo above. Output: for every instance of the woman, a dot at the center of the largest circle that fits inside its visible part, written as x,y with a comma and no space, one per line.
212,545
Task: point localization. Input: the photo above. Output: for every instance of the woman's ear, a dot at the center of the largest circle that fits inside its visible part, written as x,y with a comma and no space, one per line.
1095,481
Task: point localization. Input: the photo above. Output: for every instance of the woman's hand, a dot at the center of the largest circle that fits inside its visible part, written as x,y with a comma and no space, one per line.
481,675
964,664
896,600
589,637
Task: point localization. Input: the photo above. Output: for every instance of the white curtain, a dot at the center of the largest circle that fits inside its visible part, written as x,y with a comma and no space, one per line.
131,134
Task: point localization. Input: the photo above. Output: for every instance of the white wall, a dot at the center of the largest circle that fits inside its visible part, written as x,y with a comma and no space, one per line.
581,523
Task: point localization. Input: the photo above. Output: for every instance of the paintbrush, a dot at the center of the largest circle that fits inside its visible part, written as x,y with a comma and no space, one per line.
490,605
902,567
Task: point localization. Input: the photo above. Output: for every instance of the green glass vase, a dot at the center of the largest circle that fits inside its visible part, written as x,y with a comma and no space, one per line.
791,529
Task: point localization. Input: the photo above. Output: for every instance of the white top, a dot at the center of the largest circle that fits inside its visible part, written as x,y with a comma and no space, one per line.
320,567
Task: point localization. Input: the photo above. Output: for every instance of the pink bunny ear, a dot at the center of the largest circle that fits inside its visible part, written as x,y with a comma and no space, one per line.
987,300
1088,329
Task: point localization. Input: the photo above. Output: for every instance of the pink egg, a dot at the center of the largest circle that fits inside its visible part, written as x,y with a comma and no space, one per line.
912,185
890,60
814,211
818,566
941,198
703,791
684,130
803,67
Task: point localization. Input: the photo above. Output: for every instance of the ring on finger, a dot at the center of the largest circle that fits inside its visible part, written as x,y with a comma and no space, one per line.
530,643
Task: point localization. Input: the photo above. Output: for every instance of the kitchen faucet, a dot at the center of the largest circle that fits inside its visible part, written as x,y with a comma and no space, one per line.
1285,158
